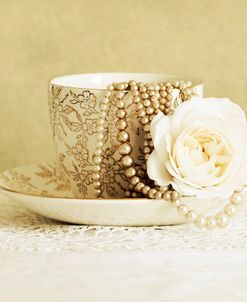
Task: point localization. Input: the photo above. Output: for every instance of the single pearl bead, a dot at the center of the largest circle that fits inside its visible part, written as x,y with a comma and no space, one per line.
158,195
144,120
103,107
143,89
139,186
163,189
98,152
134,180
120,86
200,222
175,195
134,88
124,149
134,195
188,91
97,159
123,136
230,210
182,85
142,113
130,172
182,210
97,184
127,193
121,124
132,83
169,97
151,193
211,223
236,198
100,136
121,113
140,84
146,128
145,190
163,93
146,103
110,87
167,196
139,106
222,220
96,176
156,105
98,192
144,95
168,104
120,104
97,168
106,101
102,115
175,203
127,161
146,150
150,110
191,216
136,99
99,144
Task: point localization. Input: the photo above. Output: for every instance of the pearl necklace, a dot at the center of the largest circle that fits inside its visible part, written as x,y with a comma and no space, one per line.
150,99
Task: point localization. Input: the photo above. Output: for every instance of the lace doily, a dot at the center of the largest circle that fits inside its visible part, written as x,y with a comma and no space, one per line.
23,230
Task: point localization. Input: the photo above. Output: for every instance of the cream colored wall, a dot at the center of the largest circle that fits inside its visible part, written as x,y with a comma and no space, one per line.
42,39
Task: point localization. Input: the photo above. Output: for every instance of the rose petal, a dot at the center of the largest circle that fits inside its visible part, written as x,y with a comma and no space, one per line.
157,171
160,132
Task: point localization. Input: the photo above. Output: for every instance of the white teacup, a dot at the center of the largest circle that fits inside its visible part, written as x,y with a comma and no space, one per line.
74,111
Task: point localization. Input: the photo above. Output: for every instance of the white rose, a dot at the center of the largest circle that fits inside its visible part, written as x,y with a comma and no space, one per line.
201,150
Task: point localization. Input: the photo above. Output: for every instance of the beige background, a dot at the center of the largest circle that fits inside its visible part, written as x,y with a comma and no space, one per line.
43,39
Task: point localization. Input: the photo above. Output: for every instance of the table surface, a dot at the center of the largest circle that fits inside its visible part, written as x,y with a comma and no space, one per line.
44,260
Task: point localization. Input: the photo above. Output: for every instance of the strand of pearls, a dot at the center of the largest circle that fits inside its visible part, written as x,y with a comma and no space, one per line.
97,157
151,98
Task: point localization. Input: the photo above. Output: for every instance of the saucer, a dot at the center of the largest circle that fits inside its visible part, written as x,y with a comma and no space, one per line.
42,189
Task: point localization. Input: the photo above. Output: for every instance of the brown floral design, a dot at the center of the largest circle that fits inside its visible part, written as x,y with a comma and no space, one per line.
74,117
86,100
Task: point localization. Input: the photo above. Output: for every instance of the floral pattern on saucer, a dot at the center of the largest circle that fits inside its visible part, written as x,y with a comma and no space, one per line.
44,179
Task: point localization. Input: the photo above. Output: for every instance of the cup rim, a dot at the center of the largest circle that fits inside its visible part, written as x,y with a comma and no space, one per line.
115,77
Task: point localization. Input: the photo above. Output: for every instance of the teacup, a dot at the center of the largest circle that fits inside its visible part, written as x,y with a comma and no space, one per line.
74,112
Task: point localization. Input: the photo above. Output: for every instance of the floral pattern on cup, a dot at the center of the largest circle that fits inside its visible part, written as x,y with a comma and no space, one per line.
74,115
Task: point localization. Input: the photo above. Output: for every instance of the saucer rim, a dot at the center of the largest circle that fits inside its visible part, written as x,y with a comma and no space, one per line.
4,188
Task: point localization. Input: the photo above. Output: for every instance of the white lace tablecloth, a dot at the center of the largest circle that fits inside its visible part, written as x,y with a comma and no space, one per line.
44,260
22,230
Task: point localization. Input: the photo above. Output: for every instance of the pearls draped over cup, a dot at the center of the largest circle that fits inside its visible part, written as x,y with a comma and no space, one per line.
150,98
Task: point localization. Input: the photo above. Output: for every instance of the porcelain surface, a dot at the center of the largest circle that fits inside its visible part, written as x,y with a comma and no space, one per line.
42,189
